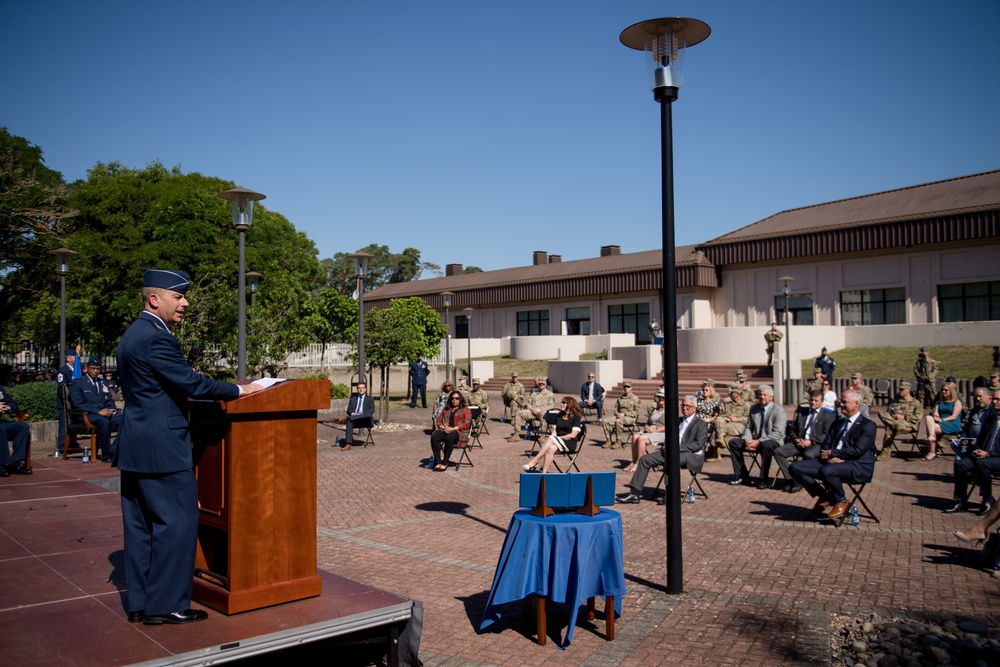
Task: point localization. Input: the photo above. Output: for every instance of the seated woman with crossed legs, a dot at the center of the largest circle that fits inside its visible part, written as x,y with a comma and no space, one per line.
452,429
564,437
653,433
945,420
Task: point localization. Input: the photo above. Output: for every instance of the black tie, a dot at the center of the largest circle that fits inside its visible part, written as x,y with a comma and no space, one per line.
805,433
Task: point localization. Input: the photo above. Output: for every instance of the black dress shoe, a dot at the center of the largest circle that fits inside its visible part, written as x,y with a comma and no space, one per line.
957,507
763,484
629,499
793,488
3,469
18,469
135,616
176,618
987,506
739,481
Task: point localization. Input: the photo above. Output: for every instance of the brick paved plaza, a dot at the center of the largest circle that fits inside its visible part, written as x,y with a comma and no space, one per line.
760,578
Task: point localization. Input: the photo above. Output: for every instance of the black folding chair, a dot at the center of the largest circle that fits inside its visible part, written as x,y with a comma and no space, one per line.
572,456
856,491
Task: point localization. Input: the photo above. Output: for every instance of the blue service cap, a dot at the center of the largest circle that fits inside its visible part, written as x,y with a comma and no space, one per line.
170,279
93,361
70,353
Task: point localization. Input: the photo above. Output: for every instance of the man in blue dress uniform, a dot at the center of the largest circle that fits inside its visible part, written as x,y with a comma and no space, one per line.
90,394
418,375
153,452
63,377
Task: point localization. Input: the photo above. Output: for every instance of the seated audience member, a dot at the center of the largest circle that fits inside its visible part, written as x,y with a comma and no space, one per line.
982,461
89,394
452,429
867,395
652,433
479,398
360,408
693,437
731,422
829,397
592,396
846,455
626,413
994,382
463,388
903,416
945,420
765,424
564,435
708,403
19,433
539,402
815,383
441,402
513,394
806,434
112,385
981,397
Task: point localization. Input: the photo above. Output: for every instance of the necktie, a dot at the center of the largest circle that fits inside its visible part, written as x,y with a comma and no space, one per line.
812,414
590,392
843,433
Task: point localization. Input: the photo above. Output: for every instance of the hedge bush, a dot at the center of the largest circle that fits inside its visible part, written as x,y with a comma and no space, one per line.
38,399
336,390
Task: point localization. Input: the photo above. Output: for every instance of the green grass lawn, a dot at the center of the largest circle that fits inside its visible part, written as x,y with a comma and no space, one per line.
892,362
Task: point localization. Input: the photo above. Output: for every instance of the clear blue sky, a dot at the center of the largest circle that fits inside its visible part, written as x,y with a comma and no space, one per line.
479,132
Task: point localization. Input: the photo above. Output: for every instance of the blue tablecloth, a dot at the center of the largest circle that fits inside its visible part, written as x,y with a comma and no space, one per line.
565,557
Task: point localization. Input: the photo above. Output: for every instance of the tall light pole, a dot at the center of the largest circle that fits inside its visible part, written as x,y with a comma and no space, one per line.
446,296
664,41
63,257
468,338
241,200
360,271
788,341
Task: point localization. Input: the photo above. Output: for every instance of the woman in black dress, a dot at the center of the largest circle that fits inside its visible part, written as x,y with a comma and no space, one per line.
564,437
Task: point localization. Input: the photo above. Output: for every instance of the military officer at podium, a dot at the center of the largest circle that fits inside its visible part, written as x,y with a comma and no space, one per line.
153,452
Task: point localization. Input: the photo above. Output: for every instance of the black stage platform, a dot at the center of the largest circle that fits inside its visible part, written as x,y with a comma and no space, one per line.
62,586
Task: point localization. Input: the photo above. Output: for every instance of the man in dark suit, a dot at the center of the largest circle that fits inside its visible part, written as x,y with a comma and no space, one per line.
592,396
153,452
418,376
693,436
765,431
89,394
982,461
360,411
19,433
846,455
806,434
64,378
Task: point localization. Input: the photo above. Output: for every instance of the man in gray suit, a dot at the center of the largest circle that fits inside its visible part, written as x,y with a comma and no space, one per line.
805,435
765,432
693,436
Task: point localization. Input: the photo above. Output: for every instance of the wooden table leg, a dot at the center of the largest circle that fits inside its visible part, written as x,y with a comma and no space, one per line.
609,617
540,618
591,606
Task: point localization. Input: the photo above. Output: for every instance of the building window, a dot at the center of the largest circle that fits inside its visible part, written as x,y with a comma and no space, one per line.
969,302
630,318
578,321
876,306
461,326
533,323
800,309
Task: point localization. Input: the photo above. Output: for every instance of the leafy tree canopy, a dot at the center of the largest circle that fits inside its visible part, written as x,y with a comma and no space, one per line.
383,268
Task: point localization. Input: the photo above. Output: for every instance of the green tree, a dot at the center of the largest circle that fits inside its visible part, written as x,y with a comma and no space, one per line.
472,269
331,317
383,268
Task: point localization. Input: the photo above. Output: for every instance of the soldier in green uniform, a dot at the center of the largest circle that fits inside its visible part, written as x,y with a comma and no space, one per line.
816,384
513,394
539,402
732,420
903,416
626,412
994,384
867,395
748,394
478,396
925,370
771,337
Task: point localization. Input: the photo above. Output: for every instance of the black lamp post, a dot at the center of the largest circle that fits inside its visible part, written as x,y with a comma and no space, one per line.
664,40
468,338
360,271
63,257
241,201
253,280
788,341
446,296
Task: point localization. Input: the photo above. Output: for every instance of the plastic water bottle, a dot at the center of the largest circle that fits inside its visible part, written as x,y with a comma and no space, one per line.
854,516
690,495
336,441
86,455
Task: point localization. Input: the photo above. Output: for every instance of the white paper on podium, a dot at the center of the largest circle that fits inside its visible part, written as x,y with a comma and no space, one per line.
269,382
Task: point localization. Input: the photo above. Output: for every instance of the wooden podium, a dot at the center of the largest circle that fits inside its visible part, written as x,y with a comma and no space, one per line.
255,458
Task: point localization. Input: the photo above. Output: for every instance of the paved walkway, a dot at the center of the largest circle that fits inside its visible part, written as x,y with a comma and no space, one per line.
760,579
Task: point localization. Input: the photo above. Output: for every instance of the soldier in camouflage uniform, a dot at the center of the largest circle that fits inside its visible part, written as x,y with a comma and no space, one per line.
903,416
732,420
463,388
513,394
539,402
478,396
748,394
771,337
925,370
816,384
867,395
994,384
626,412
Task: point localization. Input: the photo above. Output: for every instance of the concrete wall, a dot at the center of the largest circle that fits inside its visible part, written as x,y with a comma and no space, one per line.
639,362
567,376
548,347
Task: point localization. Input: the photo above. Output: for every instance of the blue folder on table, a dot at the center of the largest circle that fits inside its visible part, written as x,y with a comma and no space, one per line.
567,489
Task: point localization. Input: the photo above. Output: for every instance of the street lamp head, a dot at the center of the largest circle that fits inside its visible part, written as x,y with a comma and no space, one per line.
664,40
241,201
253,278
468,313
786,280
63,256
361,263
446,296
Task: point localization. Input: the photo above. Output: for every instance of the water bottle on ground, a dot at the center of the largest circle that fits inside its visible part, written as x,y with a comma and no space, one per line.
86,455
854,516
690,495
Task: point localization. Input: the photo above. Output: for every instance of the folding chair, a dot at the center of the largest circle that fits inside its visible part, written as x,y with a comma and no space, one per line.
694,483
466,447
572,456
368,424
77,425
536,433
856,491
477,426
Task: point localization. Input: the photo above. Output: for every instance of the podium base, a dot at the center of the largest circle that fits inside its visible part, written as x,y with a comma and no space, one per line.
234,602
